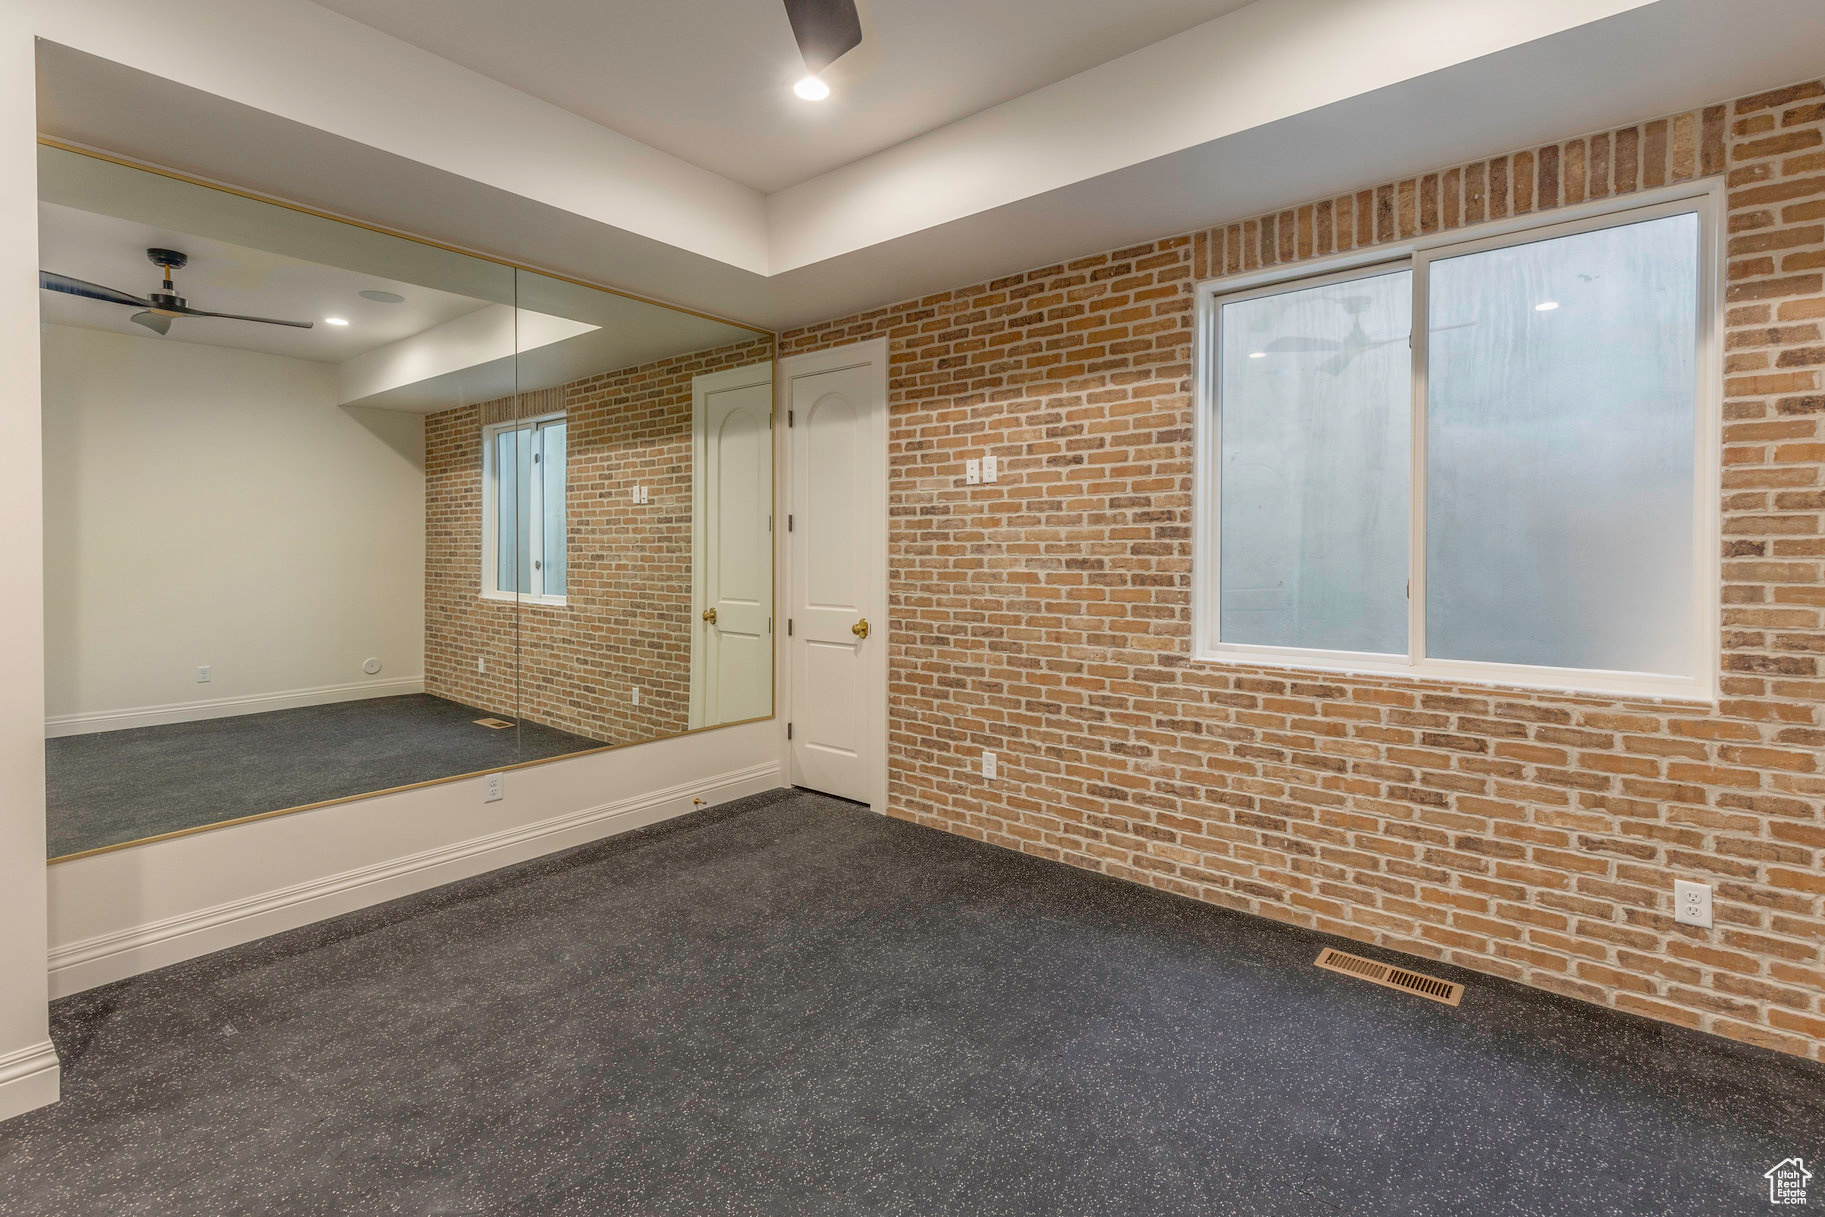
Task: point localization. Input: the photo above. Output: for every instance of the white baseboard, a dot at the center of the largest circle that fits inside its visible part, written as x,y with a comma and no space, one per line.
28,1078
109,957
58,725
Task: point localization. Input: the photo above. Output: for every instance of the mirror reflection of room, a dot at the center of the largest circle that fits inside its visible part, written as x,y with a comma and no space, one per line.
624,502
331,512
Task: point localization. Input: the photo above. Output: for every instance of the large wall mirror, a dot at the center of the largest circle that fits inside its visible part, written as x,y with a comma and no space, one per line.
330,511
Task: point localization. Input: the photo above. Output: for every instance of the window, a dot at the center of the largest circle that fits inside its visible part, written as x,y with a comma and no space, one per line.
523,518
1520,489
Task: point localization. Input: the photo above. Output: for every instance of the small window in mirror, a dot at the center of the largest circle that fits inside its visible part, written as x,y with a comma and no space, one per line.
523,516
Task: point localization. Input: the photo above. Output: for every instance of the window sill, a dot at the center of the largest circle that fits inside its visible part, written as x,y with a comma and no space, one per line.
1635,686
540,601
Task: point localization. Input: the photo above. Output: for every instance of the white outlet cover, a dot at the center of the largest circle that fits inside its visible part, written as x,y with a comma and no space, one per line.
636,695
972,471
1691,902
493,788
203,675
988,766
989,467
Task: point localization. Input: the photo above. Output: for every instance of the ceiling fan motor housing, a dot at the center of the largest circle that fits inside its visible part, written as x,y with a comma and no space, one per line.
170,259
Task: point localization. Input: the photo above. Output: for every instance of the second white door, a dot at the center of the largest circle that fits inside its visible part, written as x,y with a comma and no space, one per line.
838,546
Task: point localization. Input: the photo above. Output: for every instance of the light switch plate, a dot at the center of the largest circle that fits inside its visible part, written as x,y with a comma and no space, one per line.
1691,902
972,472
989,467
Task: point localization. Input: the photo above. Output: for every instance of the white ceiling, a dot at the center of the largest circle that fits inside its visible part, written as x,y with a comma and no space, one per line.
709,81
468,330
228,278
1269,104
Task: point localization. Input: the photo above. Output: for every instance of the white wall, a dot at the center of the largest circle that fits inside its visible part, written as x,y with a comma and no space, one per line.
28,1067
208,506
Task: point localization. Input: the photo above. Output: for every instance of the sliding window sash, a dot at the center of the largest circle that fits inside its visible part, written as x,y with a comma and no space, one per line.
1700,198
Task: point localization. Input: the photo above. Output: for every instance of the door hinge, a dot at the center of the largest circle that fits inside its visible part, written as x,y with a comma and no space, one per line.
788,521
769,625
769,521
789,418
788,627
788,730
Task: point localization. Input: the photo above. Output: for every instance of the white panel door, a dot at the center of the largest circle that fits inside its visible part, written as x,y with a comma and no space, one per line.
732,659
838,597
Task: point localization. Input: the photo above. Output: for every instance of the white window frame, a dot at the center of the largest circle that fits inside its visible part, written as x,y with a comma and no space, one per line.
491,589
1702,198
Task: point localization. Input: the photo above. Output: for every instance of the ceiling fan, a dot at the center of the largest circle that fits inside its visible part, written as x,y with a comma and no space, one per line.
826,30
1354,343
157,309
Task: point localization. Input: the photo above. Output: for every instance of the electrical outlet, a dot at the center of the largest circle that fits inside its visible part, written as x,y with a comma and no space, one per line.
636,695
493,788
988,766
972,471
989,468
1691,902
481,665
202,675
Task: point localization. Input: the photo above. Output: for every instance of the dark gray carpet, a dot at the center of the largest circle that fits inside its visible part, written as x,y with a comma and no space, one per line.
123,785
791,1006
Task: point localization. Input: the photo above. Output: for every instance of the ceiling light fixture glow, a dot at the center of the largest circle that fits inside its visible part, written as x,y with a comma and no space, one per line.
1546,306
812,89
1257,354
335,321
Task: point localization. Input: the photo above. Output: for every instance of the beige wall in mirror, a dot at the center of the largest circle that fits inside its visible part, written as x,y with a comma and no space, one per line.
401,515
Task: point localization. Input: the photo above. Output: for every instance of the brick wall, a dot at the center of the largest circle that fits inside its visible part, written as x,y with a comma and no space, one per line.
630,613
1529,835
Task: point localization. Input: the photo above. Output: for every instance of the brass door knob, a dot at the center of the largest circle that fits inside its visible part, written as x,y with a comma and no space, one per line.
709,615
860,628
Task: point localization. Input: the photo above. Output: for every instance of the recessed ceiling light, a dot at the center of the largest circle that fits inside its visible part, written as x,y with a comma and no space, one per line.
812,89
380,297
335,321
1546,306
1257,354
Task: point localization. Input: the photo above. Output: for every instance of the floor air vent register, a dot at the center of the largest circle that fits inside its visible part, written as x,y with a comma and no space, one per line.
493,724
1429,987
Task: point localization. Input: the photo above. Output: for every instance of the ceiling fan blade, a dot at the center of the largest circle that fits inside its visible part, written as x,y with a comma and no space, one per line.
297,325
50,281
1303,344
825,29
158,323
